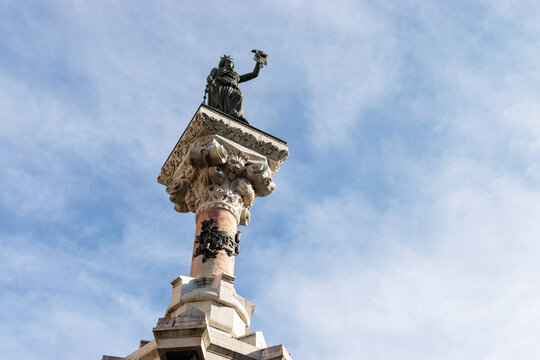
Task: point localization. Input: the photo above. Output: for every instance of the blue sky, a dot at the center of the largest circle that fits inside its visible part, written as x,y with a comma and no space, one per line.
405,223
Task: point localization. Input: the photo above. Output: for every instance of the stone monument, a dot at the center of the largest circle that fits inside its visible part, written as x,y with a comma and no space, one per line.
218,168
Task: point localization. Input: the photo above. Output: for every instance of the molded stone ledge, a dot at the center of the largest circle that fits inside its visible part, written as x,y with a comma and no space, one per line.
229,348
256,339
216,297
145,352
220,173
191,333
208,121
182,333
276,352
223,318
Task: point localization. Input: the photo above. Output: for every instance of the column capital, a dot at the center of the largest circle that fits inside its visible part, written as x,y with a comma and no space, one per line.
222,163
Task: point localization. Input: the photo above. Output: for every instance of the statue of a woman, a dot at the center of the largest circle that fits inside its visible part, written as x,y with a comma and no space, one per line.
222,85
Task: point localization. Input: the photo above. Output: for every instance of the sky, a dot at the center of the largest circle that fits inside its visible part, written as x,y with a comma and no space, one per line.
406,220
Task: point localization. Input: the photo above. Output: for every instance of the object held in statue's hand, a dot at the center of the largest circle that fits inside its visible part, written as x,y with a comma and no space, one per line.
260,57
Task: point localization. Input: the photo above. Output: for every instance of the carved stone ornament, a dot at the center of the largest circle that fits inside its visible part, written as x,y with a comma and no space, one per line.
209,121
218,173
211,240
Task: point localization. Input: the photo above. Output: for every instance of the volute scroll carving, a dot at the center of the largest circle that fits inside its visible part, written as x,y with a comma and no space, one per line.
217,173
207,121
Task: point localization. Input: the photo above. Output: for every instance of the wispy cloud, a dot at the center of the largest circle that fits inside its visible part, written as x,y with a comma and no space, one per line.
404,222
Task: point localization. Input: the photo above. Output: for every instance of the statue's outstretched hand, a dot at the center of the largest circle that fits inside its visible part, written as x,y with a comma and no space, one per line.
260,57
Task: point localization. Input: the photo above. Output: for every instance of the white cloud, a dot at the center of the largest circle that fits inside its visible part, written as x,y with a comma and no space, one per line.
438,262
455,282
347,53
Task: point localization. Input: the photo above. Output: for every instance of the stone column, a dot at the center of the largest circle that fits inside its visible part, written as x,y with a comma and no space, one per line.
224,221
217,170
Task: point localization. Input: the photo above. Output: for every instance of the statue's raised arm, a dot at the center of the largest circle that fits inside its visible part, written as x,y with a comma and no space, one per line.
222,84
260,60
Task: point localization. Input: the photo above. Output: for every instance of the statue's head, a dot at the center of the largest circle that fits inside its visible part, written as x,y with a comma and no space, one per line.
226,62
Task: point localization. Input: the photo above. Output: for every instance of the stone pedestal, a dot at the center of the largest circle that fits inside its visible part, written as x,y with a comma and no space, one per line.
216,170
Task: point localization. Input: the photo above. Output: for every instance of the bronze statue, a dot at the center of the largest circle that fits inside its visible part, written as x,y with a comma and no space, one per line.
222,85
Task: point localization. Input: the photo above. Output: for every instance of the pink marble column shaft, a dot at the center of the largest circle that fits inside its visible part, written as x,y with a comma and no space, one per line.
223,263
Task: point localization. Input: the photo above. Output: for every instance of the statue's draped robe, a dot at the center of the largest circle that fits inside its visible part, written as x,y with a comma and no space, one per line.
225,95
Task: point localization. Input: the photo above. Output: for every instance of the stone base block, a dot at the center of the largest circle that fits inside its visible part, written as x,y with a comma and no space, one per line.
215,297
206,320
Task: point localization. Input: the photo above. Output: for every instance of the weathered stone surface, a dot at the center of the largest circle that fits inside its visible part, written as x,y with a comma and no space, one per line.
216,298
221,163
208,121
181,334
147,352
216,170
208,319
276,352
256,339
220,174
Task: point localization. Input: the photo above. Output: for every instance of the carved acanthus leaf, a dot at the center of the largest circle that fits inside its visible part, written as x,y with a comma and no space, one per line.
204,123
219,175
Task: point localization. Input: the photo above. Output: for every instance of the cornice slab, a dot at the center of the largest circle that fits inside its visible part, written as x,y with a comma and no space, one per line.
208,121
